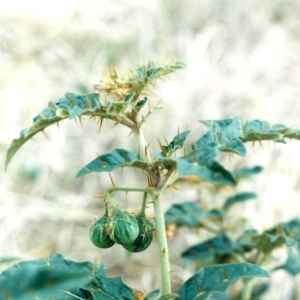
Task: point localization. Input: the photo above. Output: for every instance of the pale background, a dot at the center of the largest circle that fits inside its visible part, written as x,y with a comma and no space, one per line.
242,60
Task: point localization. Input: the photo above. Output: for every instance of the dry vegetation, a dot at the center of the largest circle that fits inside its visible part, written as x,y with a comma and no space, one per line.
242,60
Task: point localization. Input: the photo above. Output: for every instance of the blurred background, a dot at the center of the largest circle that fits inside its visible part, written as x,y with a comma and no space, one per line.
242,60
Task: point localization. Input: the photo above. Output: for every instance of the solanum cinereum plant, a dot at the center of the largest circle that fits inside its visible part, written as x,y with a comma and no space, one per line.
223,258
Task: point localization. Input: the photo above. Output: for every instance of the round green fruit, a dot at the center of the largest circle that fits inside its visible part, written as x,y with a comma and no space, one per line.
144,238
126,228
99,233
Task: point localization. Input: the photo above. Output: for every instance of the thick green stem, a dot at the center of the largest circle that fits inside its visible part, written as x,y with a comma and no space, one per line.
162,244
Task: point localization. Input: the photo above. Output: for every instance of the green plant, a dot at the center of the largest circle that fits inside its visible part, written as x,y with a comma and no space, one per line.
223,258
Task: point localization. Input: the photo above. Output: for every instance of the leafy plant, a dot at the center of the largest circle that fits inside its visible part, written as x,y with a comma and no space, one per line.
223,257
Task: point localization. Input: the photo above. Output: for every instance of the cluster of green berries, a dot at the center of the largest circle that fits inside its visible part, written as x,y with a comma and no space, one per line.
134,233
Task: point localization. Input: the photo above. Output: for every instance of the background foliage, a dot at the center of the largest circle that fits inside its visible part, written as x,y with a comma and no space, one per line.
242,60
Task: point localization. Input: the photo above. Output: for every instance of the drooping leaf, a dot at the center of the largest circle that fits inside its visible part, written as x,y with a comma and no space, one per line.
71,106
115,159
176,143
188,214
217,278
207,250
46,278
231,134
241,197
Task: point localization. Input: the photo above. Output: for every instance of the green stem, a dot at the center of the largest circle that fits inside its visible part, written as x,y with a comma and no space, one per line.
143,149
162,244
247,290
143,209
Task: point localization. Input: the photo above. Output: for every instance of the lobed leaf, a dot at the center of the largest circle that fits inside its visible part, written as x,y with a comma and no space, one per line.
217,278
71,106
231,134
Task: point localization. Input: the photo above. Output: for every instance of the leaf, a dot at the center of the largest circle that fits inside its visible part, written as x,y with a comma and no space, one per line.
248,239
188,214
110,288
246,172
231,134
115,159
176,143
207,250
267,242
46,278
217,278
214,173
242,197
288,232
70,107
292,264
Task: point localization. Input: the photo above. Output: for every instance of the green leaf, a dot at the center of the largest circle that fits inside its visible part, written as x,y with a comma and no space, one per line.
70,107
288,232
247,240
246,172
115,159
212,296
217,278
292,264
176,143
230,134
242,197
214,173
110,288
46,278
267,242
188,214
207,250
